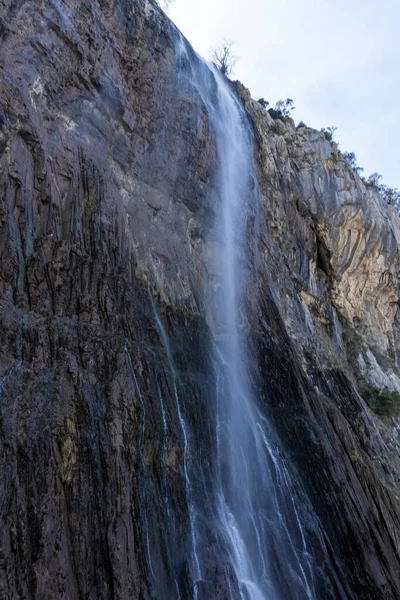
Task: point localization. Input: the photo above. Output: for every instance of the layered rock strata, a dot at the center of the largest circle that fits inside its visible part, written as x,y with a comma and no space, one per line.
107,204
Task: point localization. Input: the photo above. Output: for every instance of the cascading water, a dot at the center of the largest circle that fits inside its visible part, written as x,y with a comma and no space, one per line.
259,525
247,508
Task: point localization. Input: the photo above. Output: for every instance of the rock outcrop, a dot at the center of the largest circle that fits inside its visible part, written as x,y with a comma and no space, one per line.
107,213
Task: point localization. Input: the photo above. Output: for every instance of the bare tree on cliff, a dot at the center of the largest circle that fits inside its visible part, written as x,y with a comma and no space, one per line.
224,58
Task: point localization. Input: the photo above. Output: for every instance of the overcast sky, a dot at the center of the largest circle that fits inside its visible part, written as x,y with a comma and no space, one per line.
338,59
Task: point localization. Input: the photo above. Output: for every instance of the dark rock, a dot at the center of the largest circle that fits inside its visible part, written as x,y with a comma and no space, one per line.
107,206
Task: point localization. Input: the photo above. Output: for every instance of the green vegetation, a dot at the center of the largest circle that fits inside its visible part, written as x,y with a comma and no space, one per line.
373,181
382,402
390,195
351,158
329,132
283,108
264,103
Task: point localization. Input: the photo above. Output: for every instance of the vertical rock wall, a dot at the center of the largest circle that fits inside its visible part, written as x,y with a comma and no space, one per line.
107,205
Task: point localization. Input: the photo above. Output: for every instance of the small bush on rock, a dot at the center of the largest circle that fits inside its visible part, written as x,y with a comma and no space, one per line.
282,109
382,402
391,195
264,103
373,181
329,132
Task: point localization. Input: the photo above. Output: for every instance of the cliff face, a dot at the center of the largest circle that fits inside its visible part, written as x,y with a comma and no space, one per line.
108,216
330,264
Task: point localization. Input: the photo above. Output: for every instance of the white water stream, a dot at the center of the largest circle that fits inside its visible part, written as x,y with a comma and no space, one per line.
250,513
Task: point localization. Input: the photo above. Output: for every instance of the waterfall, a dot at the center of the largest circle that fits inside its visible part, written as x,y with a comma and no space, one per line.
255,500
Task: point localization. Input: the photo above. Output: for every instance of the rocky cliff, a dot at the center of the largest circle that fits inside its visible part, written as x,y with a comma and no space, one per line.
108,211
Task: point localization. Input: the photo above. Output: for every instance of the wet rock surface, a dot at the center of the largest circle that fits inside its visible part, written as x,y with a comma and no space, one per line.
107,206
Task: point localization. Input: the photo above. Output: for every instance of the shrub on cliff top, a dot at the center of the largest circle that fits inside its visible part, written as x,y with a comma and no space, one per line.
351,158
282,109
264,103
329,132
373,181
390,195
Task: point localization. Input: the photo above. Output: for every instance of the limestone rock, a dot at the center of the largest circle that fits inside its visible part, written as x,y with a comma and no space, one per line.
107,207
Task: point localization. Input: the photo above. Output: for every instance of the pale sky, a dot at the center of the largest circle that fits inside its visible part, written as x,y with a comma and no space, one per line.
338,59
